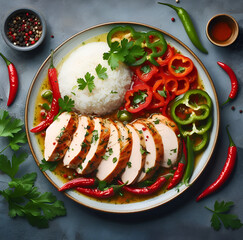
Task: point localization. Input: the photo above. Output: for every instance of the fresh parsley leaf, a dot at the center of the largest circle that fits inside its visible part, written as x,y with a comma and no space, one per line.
95,136
220,214
125,52
180,70
66,104
11,168
101,72
146,69
162,93
46,106
139,97
19,137
88,81
102,185
8,125
113,92
48,165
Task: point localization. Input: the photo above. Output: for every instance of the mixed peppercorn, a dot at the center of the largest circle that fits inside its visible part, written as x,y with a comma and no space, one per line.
24,29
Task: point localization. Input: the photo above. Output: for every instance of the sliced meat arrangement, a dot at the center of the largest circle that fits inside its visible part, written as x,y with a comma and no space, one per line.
59,136
80,144
169,133
99,141
115,158
137,158
109,150
153,148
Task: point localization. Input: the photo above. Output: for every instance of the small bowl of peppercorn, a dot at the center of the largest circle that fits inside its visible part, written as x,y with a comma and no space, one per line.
24,29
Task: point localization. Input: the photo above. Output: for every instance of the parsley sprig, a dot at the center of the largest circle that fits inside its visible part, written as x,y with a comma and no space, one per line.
101,72
87,81
125,52
23,197
220,214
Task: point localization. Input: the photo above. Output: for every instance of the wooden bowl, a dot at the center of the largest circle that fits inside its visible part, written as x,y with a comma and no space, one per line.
229,22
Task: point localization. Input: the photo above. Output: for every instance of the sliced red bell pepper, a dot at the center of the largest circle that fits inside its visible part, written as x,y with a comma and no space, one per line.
171,84
193,75
183,85
138,98
165,58
180,65
145,71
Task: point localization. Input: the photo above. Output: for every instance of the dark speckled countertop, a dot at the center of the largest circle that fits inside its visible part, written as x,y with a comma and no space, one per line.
182,218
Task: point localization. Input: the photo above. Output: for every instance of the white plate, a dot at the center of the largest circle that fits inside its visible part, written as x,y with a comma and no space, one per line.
60,52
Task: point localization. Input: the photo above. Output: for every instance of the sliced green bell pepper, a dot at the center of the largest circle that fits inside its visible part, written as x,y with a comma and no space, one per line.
156,43
199,142
196,105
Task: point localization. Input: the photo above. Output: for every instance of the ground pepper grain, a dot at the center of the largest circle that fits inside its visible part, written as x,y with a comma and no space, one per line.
24,29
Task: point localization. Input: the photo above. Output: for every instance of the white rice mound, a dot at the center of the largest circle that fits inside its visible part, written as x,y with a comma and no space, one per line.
101,100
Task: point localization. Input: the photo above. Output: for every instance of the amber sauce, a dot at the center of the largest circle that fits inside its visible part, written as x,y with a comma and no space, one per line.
62,171
221,31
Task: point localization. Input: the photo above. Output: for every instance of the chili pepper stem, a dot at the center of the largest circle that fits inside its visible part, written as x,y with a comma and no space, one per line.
228,100
229,136
51,65
5,59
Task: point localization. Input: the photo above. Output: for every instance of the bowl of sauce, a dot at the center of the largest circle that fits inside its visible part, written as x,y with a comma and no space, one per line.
222,30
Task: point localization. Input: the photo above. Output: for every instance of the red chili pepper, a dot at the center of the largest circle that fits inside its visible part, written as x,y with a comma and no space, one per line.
138,98
233,79
146,190
180,169
97,193
78,182
13,80
52,76
225,173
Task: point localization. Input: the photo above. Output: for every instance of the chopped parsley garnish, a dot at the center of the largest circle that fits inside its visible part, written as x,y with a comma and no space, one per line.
114,160
146,69
129,164
48,165
46,106
88,81
174,150
125,52
95,136
220,214
101,72
113,92
156,121
142,150
169,162
139,97
162,93
179,69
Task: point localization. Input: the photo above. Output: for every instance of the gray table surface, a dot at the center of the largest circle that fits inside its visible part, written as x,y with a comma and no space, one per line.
182,218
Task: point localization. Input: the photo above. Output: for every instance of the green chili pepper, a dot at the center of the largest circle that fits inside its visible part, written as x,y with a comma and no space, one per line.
199,141
190,161
188,25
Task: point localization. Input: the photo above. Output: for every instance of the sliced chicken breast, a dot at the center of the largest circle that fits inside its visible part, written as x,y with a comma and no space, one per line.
80,144
154,148
169,133
117,153
98,144
137,159
59,136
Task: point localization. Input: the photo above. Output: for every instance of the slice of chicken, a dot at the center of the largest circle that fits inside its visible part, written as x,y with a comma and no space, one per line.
59,136
169,133
137,159
98,144
117,153
80,144
154,148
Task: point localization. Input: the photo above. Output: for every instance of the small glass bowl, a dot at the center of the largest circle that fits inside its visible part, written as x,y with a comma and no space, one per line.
22,11
230,21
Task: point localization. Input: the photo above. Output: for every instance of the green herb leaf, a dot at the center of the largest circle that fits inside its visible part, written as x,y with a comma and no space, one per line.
220,214
146,69
45,165
180,70
18,138
95,136
113,92
139,98
102,185
8,125
89,81
162,93
66,104
101,72
11,168
46,106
